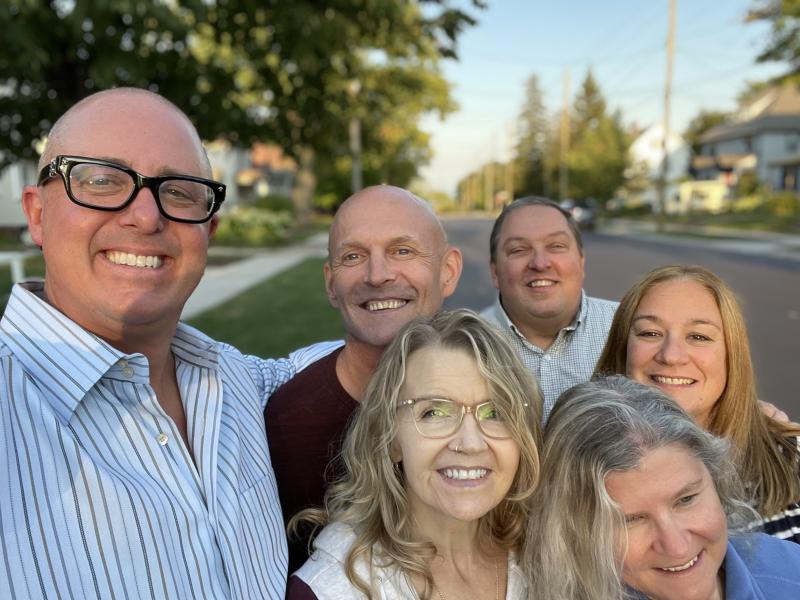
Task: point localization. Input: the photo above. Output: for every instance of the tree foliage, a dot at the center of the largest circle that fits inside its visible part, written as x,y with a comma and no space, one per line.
598,153
530,171
784,42
244,70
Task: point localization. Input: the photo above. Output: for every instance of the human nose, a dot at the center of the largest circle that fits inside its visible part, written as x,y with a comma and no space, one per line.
143,212
469,437
672,538
379,271
672,351
539,260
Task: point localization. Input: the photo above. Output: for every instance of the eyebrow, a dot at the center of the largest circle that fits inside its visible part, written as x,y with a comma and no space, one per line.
692,485
660,321
403,239
555,234
162,172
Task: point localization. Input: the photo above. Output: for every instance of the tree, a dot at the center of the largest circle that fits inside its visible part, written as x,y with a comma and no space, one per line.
784,44
589,109
244,70
598,154
532,126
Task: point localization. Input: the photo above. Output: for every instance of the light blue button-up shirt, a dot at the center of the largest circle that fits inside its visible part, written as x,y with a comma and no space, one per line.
99,495
572,356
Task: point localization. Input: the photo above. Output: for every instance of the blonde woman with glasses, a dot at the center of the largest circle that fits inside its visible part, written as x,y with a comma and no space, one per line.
440,462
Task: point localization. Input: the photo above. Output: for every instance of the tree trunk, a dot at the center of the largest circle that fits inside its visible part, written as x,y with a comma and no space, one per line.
304,186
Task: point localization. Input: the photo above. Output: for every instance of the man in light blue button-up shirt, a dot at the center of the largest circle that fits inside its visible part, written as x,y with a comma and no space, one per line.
537,263
134,459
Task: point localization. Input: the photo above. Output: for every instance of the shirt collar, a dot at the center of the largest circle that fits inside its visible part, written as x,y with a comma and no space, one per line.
502,316
66,360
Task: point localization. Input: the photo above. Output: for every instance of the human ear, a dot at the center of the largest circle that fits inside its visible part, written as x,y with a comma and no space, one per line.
33,208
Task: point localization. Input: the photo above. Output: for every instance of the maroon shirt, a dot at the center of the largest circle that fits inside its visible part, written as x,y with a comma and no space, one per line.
306,422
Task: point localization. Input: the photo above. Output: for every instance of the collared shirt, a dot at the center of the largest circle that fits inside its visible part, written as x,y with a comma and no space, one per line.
99,496
571,357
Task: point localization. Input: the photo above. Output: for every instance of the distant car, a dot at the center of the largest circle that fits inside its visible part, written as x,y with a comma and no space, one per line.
584,213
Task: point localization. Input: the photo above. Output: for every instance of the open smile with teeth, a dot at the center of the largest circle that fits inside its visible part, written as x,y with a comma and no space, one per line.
373,305
681,567
464,474
134,260
536,283
672,380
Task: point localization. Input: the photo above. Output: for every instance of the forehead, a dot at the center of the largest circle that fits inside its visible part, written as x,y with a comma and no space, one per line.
140,131
660,475
680,297
448,371
379,219
534,222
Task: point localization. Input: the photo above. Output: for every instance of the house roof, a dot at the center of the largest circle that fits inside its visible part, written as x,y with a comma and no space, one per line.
775,109
724,162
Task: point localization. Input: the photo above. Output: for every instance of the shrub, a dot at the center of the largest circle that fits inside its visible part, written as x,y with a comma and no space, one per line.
783,204
248,226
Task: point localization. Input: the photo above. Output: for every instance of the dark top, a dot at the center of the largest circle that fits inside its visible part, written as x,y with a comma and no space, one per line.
297,589
306,421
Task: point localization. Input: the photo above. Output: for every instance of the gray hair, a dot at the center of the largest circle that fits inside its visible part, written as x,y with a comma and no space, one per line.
531,201
596,428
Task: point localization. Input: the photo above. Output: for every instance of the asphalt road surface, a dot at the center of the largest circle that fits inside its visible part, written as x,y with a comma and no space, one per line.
769,290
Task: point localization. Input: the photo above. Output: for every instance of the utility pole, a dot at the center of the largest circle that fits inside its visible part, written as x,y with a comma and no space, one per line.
356,173
663,183
563,175
510,164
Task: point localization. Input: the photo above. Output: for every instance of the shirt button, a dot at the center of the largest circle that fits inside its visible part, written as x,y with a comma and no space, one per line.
127,371
548,357
163,438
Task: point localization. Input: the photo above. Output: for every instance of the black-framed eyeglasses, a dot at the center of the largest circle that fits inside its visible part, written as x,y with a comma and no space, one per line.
104,185
442,417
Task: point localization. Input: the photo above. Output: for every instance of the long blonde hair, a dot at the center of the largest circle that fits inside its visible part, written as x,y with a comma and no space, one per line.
371,495
766,450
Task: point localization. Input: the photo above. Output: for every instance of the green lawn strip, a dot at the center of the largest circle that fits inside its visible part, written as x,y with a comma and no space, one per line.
277,316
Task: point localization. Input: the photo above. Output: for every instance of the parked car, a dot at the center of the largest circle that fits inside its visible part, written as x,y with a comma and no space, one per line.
584,212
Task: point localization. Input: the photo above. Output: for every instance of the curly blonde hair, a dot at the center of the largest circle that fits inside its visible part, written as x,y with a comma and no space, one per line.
371,495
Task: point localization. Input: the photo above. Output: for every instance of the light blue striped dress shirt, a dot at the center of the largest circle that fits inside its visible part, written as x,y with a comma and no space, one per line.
99,497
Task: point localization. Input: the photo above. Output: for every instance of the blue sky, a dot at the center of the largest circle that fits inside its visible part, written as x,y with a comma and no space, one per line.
622,41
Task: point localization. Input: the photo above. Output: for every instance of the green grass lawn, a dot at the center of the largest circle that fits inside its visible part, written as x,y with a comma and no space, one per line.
282,314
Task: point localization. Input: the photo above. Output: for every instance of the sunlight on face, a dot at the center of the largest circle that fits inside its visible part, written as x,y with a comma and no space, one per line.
676,530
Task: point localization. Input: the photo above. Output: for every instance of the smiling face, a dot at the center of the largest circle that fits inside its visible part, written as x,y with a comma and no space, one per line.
389,262
676,530
443,484
91,256
538,269
676,342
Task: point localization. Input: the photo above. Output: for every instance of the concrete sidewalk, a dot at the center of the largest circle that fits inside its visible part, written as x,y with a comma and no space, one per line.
764,243
220,284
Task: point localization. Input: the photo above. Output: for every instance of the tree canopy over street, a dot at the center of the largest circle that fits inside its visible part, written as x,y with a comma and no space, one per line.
292,73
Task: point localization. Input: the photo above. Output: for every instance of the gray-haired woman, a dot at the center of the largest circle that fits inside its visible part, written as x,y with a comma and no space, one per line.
637,501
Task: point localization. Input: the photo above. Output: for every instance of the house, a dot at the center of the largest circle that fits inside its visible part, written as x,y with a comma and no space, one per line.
250,173
762,137
647,158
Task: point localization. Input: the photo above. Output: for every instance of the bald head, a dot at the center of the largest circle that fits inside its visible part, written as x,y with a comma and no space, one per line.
386,200
388,262
126,102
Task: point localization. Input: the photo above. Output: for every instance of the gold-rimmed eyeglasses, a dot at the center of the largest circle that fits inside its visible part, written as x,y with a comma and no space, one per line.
441,417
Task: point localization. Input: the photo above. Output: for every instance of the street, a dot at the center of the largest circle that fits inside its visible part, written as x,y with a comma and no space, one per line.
769,290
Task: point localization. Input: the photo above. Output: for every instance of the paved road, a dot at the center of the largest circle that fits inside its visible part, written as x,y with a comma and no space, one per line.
769,289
